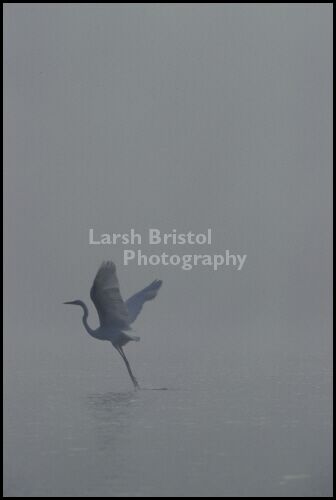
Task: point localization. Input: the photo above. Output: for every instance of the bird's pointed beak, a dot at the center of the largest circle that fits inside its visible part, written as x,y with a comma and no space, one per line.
67,302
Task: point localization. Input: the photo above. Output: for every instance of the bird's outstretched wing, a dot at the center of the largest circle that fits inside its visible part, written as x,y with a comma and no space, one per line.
105,295
134,304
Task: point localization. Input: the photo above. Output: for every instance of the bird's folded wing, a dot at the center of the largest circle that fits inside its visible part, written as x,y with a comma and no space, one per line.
105,295
134,304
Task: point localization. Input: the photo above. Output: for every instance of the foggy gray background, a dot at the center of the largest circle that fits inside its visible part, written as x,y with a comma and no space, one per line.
185,117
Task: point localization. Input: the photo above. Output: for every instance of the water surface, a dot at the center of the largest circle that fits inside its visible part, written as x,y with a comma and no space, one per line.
220,433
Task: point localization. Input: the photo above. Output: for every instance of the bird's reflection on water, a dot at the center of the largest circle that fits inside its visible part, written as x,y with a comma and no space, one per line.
111,405
111,414
111,399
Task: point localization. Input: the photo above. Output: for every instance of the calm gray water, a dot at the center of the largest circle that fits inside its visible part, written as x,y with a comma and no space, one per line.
218,430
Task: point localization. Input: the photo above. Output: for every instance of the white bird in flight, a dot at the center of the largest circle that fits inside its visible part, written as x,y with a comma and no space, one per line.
115,315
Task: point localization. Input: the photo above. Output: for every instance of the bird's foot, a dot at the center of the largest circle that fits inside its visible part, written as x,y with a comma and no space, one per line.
136,384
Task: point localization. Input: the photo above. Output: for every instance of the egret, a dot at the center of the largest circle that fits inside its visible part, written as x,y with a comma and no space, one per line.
115,315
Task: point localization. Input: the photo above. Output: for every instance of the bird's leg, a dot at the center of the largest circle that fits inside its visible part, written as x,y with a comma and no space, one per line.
122,354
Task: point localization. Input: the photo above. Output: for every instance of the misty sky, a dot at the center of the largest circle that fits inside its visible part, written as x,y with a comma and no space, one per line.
172,117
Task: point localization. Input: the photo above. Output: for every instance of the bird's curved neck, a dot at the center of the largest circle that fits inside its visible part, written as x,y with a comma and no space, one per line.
85,317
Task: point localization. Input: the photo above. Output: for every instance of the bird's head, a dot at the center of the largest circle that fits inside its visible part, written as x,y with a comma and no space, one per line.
74,302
